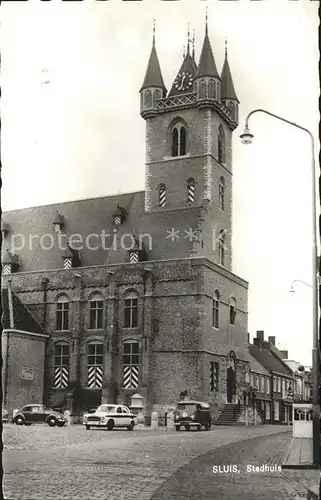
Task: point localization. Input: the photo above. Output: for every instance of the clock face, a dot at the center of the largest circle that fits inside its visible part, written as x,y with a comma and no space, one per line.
183,81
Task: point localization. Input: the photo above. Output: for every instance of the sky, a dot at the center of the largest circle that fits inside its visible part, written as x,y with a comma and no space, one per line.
71,129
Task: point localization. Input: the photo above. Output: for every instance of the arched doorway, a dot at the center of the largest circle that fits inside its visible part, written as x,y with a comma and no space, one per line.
231,379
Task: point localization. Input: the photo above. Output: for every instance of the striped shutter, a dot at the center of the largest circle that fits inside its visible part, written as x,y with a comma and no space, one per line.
191,192
130,377
68,263
117,220
6,269
95,377
57,228
133,257
61,377
212,375
162,196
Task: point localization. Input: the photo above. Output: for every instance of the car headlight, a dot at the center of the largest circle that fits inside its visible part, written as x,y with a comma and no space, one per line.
176,417
103,419
193,417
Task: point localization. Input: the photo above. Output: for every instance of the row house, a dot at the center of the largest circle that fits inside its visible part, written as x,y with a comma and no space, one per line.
302,386
279,391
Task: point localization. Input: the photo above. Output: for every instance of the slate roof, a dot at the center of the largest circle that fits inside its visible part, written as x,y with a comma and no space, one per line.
227,86
268,359
207,66
256,366
189,66
153,76
22,317
39,247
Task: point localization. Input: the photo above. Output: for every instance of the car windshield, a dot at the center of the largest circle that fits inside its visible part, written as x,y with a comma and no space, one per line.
187,407
106,408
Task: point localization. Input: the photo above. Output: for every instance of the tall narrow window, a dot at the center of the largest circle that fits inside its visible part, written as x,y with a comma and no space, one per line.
130,364
221,193
232,311
162,195
216,310
221,145
131,311
190,190
96,307
179,140
95,365
61,365
221,248
214,376
62,314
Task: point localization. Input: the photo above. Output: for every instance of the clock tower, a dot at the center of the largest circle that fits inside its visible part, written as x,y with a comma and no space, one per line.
189,139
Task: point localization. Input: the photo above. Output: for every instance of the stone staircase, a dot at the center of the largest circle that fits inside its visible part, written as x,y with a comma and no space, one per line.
229,415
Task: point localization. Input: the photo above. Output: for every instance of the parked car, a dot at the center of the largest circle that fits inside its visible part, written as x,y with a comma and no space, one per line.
110,416
5,415
31,414
192,414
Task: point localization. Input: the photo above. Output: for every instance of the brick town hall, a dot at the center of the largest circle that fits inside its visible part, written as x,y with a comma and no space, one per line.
88,326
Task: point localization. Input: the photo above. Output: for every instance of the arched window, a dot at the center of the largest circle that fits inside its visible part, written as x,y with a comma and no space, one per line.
148,99
131,310
191,190
211,89
221,145
232,311
162,195
61,365
221,247
130,364
62,313
202,89
95,365
221,193
179,140
96,308
216,310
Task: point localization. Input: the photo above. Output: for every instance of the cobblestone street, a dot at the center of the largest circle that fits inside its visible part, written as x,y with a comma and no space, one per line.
72,463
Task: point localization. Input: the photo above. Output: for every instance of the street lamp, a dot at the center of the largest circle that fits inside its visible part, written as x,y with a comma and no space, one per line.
247,138
292,290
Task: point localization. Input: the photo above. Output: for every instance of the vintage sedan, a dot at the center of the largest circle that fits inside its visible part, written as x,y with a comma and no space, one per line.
109,416
32,414
192,414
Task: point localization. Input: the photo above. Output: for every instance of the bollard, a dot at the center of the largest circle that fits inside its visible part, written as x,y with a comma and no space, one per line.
170,420
67,416
154,420
246,416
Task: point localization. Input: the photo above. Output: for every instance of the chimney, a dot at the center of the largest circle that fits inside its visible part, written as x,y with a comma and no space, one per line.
260,335
284,354
272,340
257,342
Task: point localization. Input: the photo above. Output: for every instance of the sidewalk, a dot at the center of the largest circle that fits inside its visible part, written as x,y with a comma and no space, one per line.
299,456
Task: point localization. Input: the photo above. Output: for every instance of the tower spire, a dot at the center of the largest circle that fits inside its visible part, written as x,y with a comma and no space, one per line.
188,38
193,45
206,22
154,29
225,48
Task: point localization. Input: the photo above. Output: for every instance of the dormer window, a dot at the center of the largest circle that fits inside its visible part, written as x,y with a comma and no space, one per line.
4,228
58,223
7,269
179,140
133,256
10,263
67,263
119,215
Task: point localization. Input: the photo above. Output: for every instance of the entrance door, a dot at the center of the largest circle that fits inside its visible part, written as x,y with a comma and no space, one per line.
230,384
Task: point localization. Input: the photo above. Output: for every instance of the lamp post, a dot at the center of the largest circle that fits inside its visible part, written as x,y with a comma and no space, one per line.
292,290
247,138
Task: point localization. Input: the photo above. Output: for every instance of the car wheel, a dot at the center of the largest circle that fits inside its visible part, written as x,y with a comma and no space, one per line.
187,427
61,424
87,427
207,427
51,422
19,421
110,425
131,426
178,427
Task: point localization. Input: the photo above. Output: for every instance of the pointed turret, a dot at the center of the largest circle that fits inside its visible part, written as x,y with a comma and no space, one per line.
207,78
153,86
228,94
